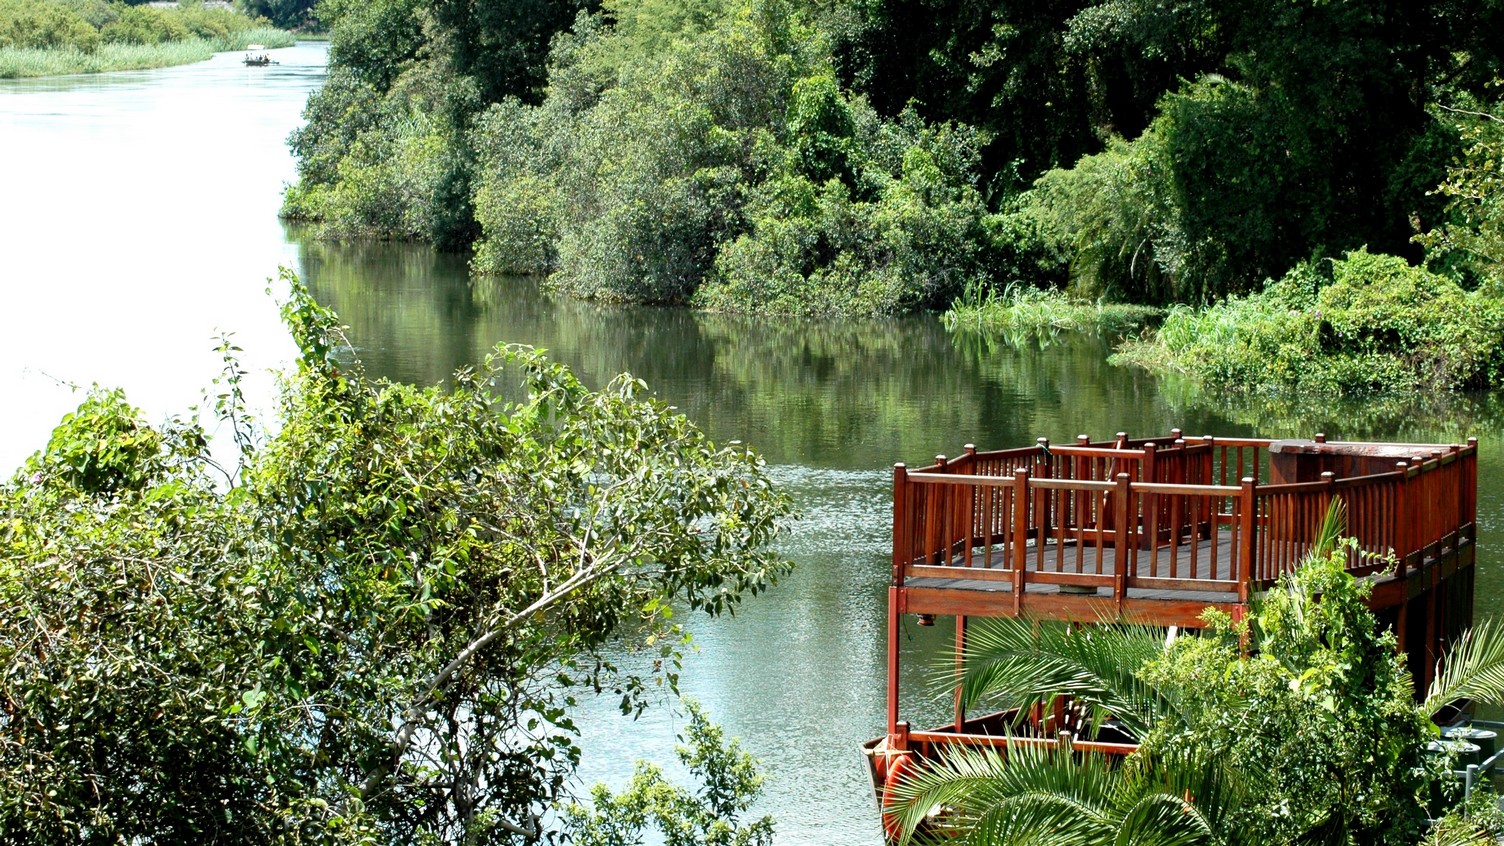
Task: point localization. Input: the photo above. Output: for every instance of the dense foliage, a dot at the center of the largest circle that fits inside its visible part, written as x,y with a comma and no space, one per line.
373,628
710,816
1361,325
1297,725
286,14
845,158
85,25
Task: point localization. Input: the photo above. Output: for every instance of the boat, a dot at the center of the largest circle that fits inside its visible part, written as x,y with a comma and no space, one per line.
256,56
1154,531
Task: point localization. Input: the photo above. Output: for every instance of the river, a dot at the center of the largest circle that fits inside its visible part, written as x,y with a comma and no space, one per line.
141,220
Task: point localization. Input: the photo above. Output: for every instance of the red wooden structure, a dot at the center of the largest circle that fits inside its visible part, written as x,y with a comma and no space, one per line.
1157,530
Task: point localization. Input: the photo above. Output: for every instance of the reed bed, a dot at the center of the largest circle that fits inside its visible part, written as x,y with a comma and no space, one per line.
1020,314
18,63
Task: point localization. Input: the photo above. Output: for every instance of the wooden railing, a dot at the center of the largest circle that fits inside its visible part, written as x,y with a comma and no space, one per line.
1165,514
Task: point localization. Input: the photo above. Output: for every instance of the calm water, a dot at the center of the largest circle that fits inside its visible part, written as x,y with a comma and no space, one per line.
140,221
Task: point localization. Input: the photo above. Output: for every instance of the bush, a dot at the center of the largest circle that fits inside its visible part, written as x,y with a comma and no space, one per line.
730,171
373,629
1376,325
39,25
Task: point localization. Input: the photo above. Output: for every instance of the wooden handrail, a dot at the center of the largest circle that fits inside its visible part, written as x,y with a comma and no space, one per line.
1023,516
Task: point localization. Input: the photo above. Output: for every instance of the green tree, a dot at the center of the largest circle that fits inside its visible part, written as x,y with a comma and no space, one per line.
710,816
374,629
1471,237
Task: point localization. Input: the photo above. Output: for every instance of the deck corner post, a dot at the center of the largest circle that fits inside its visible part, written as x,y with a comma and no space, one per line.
893,620
1320,438
1402,532
1020,534
960,671
903,534
1247,520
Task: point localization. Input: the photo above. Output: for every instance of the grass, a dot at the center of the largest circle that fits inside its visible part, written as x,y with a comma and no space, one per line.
1021,314
17,63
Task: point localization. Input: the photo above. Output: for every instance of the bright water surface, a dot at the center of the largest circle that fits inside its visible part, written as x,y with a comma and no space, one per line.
139,221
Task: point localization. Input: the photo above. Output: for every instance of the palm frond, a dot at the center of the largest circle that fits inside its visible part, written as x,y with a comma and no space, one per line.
1021,795
1472,669
1036,795
1018,663
1333,527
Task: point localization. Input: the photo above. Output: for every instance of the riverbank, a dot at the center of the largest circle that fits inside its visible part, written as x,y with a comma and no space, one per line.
22,63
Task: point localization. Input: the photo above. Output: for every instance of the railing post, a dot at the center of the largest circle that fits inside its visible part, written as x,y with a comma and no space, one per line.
903,528
1208,462
1121,442
1149,506
1248,519
1020,534
1125,536
1320,438
1460,472
971,527
1330,479
942,505
1402,531
893,620
1470,486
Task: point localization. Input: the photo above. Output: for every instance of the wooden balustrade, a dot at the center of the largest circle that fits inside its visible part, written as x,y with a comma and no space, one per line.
1156,530
1165,515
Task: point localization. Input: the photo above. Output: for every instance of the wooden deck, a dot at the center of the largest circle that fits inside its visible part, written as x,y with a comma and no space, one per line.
1157,530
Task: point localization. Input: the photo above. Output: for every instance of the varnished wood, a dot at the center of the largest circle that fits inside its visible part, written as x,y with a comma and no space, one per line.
1162,529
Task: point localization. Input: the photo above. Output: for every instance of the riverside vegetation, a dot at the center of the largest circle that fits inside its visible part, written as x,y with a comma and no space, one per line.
51,37
844,158
373,627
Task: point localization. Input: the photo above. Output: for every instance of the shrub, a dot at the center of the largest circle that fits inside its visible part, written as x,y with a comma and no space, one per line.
1376,325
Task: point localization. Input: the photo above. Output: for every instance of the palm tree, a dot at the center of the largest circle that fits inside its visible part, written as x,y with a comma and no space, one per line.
1313,739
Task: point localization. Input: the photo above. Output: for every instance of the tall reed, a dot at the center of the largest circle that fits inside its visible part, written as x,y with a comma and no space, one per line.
17,63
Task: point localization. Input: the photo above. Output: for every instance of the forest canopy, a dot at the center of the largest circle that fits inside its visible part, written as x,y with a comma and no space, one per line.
877,157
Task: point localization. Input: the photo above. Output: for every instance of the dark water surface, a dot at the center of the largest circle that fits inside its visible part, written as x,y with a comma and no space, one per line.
140,219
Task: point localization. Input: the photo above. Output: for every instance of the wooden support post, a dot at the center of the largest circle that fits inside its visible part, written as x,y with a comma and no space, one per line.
1020,534
942,509
960,670
1248,519
903,534
893,620
1125,535
1149,508
1320,438
1470,485
1402,521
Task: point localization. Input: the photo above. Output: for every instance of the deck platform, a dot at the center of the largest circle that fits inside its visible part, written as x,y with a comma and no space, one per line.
1158,530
